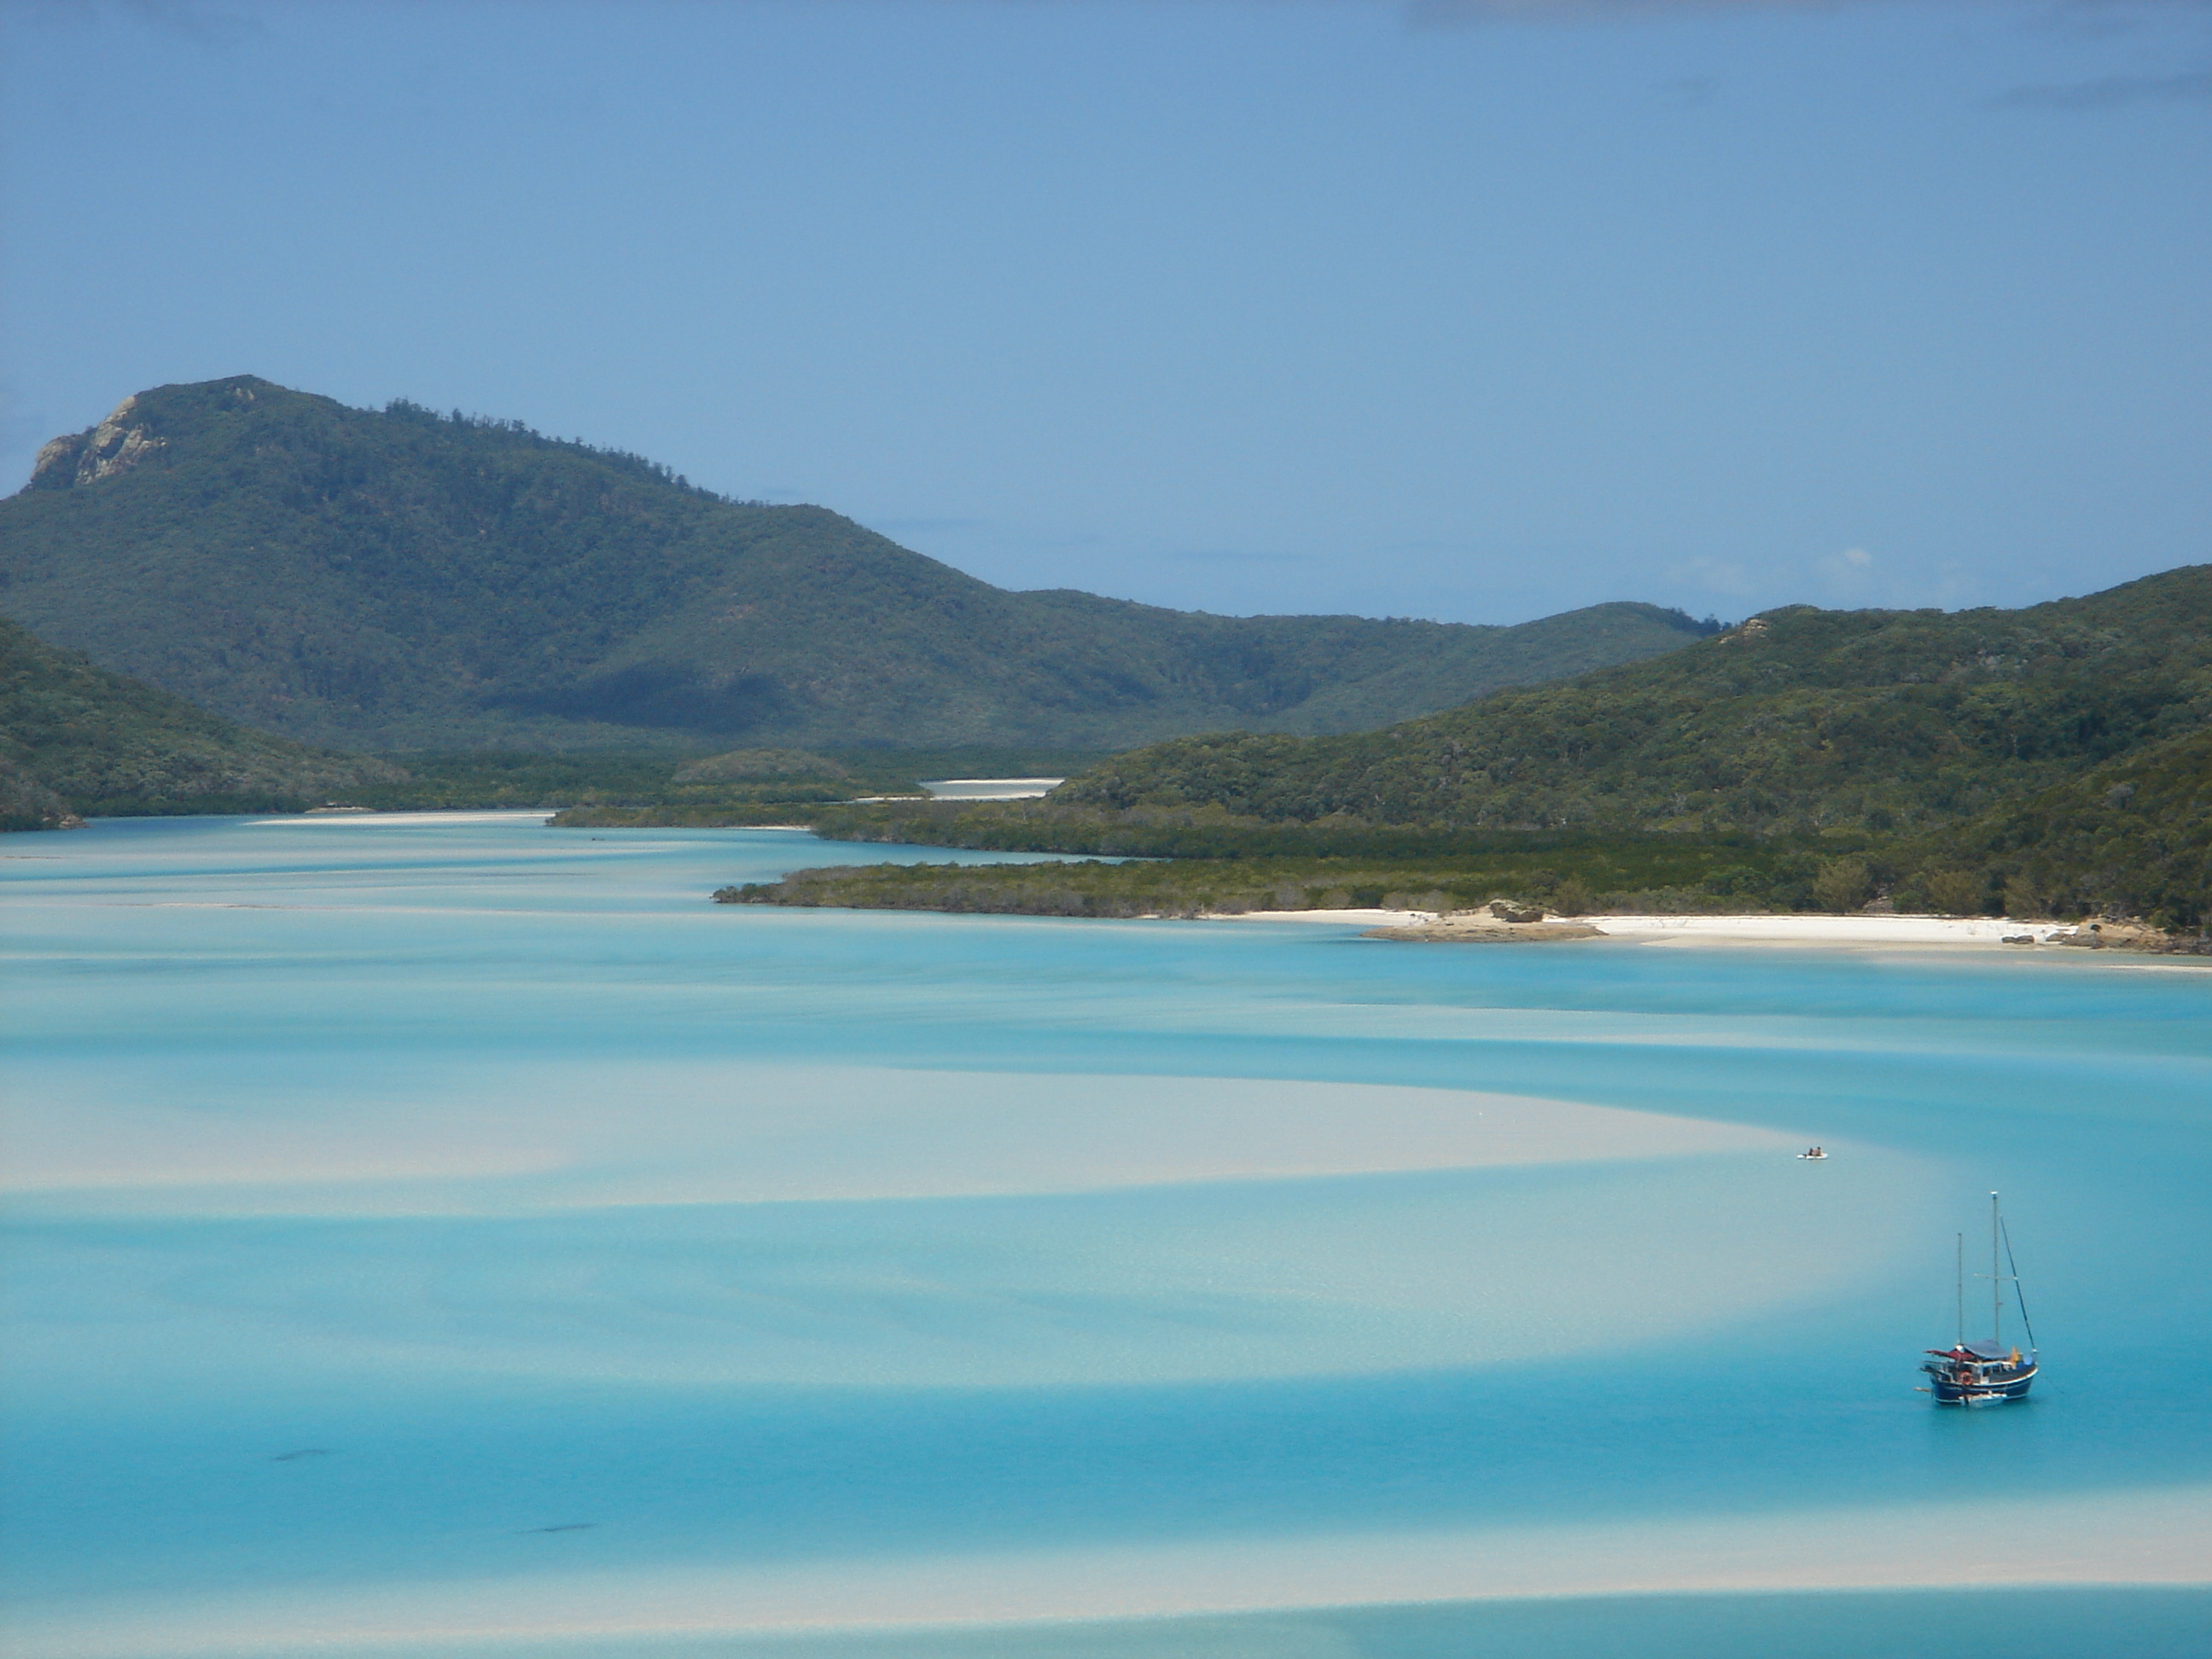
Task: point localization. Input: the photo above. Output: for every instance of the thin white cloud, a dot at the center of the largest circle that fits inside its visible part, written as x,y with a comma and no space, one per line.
192,20
2113,91
1540,11
1848,579
1724,577
1440,13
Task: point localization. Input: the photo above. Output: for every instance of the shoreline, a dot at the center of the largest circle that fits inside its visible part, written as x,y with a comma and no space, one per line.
403,819
1853,932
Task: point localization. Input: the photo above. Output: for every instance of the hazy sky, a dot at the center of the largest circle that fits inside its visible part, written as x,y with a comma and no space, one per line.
1476,309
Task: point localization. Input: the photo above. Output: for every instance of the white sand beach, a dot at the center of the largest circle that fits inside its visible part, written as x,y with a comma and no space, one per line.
1806,929
1795,929
990,788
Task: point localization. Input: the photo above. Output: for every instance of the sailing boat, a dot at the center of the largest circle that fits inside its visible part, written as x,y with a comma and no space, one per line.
1982,1373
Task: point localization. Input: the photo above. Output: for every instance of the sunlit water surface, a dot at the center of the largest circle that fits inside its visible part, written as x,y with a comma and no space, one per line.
457,1235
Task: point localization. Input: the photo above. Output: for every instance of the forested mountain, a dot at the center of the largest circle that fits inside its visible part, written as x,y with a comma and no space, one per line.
76,739
402,579
1799,720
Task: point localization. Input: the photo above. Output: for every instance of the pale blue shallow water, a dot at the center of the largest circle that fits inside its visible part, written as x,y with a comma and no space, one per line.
1025,1369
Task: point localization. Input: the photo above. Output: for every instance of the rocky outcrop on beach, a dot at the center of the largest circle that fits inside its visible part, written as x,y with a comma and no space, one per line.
1502,923
2130,936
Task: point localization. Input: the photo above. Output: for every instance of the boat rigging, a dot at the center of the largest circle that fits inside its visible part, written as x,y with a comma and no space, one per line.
1986,1372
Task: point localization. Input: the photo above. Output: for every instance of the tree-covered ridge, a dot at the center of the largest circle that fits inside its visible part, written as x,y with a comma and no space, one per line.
761,764
1667,872
2130,838
78,740
1800,721
399,579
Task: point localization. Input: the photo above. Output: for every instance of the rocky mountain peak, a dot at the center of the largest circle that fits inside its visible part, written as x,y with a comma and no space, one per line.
116,445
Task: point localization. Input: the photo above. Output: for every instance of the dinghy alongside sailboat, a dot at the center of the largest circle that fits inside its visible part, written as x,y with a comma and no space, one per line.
1986,1372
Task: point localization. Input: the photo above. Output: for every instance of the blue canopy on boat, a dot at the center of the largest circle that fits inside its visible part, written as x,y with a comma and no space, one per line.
1989,1349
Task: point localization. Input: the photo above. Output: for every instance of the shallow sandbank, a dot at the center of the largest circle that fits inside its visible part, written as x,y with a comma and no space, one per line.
706,1133
2155,1537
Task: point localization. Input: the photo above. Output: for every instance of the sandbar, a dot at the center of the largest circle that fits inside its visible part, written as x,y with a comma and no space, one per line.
2140,1537
531,1138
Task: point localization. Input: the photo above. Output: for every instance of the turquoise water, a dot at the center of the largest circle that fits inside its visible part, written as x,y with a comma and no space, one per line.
415,1216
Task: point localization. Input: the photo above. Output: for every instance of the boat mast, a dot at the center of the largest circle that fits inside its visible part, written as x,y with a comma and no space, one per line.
1996,1282
1962,1290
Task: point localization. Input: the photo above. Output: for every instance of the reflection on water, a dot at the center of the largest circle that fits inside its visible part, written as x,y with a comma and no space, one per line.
397,1205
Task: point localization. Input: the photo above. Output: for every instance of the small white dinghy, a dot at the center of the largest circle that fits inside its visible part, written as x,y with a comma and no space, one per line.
1814,1153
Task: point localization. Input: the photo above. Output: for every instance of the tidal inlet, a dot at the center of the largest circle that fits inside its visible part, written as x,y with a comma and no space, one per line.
436,1234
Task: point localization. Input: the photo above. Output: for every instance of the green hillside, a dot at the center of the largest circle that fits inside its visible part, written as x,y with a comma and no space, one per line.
404,580
2133,838
1801,721
2055,761
78,740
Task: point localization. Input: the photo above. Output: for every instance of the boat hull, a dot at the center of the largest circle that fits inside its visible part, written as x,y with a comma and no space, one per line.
1982,1391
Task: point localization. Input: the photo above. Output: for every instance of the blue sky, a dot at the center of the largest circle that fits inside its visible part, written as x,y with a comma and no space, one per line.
1476,309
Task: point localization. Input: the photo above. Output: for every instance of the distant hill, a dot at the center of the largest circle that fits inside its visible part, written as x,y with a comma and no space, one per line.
402,579
78,740
1798,721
